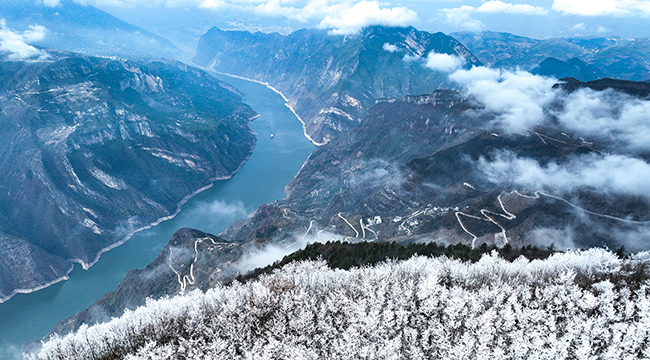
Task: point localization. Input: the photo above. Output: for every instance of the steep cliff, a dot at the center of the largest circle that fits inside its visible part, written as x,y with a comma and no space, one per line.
332,81
95,148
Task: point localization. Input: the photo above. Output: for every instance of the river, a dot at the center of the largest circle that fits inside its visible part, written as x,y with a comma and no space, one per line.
275,161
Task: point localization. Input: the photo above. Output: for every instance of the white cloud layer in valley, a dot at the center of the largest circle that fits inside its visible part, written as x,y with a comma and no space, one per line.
518,102
611,174
16,44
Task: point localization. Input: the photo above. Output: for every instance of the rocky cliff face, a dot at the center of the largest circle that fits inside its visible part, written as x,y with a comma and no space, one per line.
95,148
332,81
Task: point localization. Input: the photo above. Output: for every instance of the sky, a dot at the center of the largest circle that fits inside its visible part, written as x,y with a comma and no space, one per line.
532,18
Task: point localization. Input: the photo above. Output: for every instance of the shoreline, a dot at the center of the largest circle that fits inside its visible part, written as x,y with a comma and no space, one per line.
130,234
180,204
40,287
286,101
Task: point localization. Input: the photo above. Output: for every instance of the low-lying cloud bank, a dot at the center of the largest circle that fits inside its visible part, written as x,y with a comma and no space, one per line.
275,252
15,44
611,174
618,124
519,101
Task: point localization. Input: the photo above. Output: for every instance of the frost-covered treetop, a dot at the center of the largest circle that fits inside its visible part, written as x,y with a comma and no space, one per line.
578,305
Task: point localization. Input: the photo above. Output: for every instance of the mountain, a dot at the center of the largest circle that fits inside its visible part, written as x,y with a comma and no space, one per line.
434,168
412,172
614,57
96,148
573,68
332,81
446,167
166,275
85,29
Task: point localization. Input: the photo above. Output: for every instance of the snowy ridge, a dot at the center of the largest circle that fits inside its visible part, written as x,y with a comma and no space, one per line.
587,304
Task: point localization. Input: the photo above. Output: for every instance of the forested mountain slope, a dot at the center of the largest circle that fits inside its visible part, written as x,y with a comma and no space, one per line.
573,305
453,168
446,168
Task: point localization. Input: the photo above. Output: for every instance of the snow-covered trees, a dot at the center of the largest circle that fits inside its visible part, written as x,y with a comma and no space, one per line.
575,305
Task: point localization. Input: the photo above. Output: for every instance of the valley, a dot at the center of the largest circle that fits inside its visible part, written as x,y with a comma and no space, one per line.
329,81
95,151
132,183
27,317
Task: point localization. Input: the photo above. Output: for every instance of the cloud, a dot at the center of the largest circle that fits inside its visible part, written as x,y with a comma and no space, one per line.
496,6
444,62
634,239
601,7
365,13
272,253
218,214
516,99
411,58
460,17
609,174
211,4
340,17
10,351
220,209
608,115
274,8
389,47
15,43
376,173
578,27
51,3
561,239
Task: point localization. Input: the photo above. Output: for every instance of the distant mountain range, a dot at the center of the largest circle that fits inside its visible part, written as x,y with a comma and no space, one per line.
332,81
85,29
610,57
95,148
